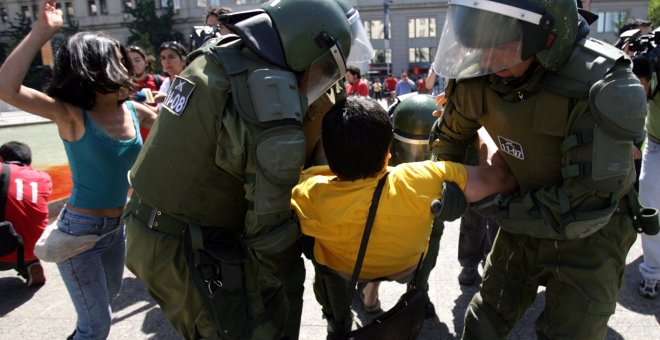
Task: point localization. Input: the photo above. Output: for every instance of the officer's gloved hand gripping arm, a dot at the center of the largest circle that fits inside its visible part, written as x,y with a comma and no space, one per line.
597,165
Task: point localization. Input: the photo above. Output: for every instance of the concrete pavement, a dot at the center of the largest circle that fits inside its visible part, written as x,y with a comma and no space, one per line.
18,118
47,313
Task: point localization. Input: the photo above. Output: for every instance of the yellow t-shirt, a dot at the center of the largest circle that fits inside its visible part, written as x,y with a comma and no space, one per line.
335,212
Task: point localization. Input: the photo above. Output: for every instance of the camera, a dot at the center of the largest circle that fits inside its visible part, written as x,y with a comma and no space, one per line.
201,34
644,50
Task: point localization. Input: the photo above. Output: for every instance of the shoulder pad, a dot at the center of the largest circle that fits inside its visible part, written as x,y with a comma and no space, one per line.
210,45
589,62
618,102
261,92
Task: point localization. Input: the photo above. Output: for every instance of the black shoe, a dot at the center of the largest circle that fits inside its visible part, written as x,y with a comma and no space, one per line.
468,276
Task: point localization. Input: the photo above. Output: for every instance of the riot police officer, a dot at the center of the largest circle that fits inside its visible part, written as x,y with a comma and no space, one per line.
564,110
412,120
210,231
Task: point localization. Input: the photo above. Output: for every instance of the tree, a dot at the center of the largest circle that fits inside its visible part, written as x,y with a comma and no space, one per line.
38,74
654,12
148,26
18,29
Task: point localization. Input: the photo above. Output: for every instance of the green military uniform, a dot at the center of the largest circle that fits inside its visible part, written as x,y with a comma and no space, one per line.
565,129
193,166
209,226
578,301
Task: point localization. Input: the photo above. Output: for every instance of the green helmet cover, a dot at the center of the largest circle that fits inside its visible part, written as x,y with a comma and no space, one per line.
412,120
413,116
564,28
300,23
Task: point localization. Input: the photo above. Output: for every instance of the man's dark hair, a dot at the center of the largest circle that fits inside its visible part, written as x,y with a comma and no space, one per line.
354,71
633,23
16,152
357,134
217,12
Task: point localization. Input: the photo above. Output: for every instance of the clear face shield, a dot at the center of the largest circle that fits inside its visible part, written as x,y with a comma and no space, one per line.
331,66
481,37
361,49
406,150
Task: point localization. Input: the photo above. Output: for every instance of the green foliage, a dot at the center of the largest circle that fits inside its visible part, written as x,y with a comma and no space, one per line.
66,31
148,29
18,29
654,12
37,74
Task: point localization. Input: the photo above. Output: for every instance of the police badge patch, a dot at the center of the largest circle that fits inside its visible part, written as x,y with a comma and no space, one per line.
511,147
178,95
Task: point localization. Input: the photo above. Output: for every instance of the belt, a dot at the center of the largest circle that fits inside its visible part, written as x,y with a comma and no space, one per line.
156,219
653,138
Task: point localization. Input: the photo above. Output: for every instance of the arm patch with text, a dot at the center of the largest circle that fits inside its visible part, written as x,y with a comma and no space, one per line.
178,95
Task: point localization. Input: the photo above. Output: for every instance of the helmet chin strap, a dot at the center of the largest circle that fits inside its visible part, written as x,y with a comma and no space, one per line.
339,59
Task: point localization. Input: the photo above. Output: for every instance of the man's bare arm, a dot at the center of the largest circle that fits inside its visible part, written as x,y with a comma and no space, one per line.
484,181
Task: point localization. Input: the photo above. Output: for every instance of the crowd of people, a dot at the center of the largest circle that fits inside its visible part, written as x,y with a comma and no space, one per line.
262,147
389,87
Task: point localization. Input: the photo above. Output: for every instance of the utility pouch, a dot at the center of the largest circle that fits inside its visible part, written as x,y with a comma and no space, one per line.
216,260
645,220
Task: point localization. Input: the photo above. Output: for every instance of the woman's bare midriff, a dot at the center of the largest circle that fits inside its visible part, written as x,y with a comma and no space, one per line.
103,212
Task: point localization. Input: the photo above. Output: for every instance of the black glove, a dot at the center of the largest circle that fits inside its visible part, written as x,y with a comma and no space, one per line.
492,205
451,205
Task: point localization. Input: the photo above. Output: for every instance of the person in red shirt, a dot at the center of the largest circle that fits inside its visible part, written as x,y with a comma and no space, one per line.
390,86
142,68
26,209
421,84
355,86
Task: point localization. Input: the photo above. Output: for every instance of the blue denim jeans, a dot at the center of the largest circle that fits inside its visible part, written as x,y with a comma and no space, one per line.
94,277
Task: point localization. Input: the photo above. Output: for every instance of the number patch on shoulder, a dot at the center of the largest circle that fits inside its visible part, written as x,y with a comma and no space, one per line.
178,95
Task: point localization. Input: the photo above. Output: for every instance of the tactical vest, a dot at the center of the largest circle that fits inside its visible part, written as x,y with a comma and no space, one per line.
532,122
569,131
208,172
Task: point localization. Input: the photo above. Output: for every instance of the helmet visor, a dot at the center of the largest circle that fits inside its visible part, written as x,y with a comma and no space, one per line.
405,150
361,49
323,72
478,38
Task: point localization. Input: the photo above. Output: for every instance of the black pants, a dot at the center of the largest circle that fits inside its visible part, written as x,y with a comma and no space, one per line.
476,237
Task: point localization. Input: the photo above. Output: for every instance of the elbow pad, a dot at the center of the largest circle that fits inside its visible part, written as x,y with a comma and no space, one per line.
451,205
618,104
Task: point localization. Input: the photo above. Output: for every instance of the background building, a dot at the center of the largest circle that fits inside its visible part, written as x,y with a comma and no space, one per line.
414,26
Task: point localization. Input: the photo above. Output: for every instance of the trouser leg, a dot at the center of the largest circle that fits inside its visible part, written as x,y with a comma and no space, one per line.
472,239
506,291
582,279
649,196
431,255
581,297
157,260
330,291
289,268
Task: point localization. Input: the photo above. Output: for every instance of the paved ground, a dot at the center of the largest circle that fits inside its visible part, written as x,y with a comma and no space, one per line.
47,313
15,118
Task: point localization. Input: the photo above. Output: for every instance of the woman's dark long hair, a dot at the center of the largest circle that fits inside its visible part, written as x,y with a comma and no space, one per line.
86,63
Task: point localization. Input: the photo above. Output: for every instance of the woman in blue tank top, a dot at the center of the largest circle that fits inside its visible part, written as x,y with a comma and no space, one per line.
87,100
